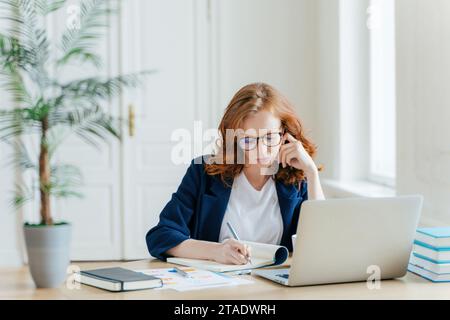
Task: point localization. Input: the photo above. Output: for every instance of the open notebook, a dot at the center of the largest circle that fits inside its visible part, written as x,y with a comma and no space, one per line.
263,255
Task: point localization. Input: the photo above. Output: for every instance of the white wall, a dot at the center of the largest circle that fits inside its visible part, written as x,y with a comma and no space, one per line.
343,88
271,41
328,86
354,101
10,221
423,104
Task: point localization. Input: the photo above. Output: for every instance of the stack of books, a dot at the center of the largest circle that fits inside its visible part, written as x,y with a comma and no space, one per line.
430,258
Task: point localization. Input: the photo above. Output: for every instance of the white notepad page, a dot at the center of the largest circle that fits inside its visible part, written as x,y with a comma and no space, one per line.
262,255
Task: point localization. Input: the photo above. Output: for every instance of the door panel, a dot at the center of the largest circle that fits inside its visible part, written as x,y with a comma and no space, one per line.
96,218
162,35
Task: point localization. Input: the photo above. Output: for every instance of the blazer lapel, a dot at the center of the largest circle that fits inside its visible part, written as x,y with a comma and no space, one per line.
288,197
215,204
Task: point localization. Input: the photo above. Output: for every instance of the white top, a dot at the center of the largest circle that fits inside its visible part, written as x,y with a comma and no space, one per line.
255,215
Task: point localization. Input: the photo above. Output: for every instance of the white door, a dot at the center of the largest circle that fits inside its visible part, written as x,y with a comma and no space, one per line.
11,241
11,221
96,218
171,37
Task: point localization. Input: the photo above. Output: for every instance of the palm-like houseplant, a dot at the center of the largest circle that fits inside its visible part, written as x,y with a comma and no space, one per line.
50,110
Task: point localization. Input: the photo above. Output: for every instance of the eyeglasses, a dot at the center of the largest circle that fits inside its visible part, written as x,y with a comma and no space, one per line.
270,140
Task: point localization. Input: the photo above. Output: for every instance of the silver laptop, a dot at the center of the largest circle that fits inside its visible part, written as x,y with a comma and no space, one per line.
347,240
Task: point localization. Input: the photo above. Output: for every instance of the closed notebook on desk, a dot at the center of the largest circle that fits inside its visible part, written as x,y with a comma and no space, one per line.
118,279
263,255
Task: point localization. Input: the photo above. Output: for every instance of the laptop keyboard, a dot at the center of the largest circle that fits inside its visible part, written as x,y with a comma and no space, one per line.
284,275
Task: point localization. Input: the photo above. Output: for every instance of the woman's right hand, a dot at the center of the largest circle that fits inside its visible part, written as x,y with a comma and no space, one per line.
232,251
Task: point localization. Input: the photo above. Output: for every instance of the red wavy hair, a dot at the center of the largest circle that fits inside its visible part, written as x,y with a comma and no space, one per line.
249,100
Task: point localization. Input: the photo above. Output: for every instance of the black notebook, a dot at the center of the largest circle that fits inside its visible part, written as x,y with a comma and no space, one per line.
119,279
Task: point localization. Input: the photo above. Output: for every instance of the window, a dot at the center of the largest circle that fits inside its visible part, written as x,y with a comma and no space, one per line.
382,92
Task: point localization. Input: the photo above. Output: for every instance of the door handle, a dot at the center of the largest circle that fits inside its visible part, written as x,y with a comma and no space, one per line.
131,120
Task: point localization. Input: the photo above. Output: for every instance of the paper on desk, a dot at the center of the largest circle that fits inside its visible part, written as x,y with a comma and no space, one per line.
200,279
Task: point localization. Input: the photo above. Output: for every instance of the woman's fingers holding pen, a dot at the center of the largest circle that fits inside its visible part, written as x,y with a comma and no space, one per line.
237,257
239,246
230,252
236,252
249,251
244,249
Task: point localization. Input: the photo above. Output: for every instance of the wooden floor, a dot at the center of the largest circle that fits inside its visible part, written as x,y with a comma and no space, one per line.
16,283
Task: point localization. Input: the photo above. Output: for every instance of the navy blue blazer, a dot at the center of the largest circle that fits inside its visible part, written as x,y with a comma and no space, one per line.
197,208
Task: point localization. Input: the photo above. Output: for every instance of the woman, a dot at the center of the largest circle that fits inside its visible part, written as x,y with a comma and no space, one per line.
262,204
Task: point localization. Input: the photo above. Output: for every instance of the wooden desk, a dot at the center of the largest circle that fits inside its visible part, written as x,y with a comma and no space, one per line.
16,283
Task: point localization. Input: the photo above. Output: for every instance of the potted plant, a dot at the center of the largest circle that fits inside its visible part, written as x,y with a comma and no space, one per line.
47,109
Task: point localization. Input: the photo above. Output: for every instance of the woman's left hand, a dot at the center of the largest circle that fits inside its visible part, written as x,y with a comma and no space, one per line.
295,155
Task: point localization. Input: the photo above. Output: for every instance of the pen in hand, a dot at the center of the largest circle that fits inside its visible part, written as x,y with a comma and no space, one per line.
236,237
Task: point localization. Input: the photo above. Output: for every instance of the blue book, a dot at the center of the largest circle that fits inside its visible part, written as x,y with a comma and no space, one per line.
429,264
435,237
429,275
441,254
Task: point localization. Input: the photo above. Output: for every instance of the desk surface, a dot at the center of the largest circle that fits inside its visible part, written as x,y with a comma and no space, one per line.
16,283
